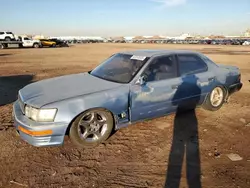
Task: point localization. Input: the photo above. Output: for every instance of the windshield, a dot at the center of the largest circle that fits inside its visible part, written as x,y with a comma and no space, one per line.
120,68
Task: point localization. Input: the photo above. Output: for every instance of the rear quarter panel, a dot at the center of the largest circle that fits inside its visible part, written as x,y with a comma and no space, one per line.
227,75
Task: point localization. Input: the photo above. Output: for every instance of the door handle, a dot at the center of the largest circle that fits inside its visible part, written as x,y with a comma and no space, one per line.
211,79
175,86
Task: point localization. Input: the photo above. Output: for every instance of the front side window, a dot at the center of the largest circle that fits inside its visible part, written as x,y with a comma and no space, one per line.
10,33
26,38
191,64
160,68
120,68
1,33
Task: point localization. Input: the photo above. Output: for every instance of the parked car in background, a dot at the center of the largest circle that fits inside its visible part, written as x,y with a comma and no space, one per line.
47,42
242,41
246,43
7,36
59,43
235,42
126,88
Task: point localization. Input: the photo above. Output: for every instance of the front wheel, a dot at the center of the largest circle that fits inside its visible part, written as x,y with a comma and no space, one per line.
215,99
91,128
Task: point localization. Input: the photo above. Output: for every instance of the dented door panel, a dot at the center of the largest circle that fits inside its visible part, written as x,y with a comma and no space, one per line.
153,99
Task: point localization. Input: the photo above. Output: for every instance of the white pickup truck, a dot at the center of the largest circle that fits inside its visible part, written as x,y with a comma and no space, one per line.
28,42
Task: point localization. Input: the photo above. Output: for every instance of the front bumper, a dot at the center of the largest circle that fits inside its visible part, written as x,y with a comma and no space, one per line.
234,88
52,133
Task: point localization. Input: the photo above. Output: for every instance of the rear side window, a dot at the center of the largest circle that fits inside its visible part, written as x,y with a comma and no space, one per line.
9,33
191,64
1,33
207,60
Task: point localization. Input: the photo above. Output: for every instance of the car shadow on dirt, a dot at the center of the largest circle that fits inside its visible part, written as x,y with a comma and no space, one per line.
185,143
10,85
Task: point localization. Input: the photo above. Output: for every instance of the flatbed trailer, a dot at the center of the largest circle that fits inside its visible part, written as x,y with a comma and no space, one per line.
8,44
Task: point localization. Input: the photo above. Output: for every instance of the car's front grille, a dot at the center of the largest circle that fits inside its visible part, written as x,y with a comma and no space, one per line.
21,103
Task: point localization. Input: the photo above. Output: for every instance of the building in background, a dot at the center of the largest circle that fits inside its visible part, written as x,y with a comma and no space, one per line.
78,37
37,37
129,39
247,33
183,36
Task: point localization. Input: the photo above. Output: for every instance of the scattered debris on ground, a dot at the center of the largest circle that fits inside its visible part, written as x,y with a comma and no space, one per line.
234,157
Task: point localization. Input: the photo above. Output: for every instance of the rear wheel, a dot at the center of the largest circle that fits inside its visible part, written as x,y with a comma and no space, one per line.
7,39
215,99
36,45
91,128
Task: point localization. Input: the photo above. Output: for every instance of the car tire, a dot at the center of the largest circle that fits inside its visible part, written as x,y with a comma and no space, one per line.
7,39
91,128
215,99
36,45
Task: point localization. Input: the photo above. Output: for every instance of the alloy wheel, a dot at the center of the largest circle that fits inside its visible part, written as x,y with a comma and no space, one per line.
92,126
217,96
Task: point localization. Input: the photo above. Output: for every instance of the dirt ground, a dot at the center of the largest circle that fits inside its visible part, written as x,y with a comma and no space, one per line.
137,156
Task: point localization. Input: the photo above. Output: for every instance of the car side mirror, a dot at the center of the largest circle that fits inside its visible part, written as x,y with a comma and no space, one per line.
141,81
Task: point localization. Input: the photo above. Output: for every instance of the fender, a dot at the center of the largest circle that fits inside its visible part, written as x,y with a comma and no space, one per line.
115,100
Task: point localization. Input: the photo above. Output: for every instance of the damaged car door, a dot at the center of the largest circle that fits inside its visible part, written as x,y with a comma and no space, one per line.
151,96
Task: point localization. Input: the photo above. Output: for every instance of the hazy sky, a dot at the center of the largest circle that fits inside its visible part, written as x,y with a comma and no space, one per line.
125,17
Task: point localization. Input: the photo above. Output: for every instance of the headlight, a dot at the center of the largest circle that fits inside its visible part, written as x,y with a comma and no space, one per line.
40,115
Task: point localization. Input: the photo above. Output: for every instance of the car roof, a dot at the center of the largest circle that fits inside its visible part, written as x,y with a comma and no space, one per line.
150,53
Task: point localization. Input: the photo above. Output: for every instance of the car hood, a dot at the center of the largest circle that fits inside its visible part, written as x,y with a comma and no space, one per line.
60,88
